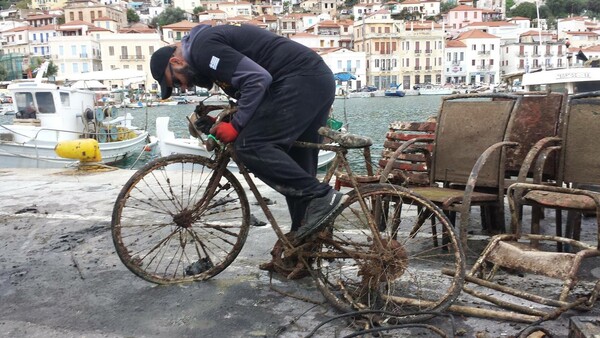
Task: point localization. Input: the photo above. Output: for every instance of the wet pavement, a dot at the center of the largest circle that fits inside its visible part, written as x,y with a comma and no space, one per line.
61,277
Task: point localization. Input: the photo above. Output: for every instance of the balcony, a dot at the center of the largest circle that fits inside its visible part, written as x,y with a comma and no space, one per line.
455,62
484,67
428,68
417,51
483,52
132,57
428,51
417,67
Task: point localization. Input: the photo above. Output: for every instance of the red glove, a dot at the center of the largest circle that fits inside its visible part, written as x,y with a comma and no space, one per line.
225,132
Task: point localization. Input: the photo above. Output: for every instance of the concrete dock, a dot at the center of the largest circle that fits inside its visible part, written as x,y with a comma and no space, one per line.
61,277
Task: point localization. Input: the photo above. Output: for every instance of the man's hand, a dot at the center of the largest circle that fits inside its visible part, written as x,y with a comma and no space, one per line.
225,132
205,123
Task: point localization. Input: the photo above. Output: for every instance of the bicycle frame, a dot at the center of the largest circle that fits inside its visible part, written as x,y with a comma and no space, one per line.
225,153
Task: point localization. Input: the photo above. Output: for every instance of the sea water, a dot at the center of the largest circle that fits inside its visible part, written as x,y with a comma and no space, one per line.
364,116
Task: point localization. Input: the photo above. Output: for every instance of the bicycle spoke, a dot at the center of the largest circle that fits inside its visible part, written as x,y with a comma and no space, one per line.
373,256
178,220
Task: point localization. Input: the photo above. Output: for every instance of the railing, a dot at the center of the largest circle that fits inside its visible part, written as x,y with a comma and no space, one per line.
417,67
428,67
417,51
132,57
483,52
428,51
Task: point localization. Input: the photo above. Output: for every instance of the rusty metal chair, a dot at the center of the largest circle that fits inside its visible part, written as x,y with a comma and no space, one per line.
579,160
407,169
467,166
533,252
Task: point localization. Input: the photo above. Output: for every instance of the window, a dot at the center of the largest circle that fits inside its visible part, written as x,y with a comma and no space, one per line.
65,99
151,50
473,47
140,67
124,52
73,50
473,62
72,16
34,36
80,15
339,64
45,103
111,50
75,67
85,67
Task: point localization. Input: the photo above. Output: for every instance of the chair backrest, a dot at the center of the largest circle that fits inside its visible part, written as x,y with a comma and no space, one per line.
467,126
537,115
580,160
410,167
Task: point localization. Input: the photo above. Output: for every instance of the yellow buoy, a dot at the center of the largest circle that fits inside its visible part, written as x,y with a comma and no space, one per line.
84,150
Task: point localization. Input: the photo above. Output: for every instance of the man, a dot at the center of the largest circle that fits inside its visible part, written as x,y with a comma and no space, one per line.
284,92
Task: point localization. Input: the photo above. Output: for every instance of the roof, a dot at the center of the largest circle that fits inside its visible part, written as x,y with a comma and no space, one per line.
465,8
492,24
475,34
184,25
455,44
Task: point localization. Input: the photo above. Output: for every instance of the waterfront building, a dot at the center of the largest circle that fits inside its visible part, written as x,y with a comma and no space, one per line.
216,14
345,60
455,66
419,8
176,31
76,48
481,55
16,41
130,50
38,40
421,53
38,20
581,39
530,53
238,8
570,25
89,11
377,35
463,15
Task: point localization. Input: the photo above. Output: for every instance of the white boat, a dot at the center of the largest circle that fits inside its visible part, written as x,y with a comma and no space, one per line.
169,144
48,114
574,80
430,89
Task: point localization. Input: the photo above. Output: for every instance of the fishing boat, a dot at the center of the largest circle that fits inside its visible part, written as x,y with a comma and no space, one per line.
573,80
394,91
169,144
430,89
48,114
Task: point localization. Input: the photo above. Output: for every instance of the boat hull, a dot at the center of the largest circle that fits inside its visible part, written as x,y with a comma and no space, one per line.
41,154
170,145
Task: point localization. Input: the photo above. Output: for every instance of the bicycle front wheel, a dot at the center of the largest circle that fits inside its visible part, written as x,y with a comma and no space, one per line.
177,220
390,256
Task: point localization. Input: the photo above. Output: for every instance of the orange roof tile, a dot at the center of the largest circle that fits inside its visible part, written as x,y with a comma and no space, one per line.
475,34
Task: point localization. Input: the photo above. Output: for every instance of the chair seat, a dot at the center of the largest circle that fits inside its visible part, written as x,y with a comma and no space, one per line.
523,257
560,200
449,196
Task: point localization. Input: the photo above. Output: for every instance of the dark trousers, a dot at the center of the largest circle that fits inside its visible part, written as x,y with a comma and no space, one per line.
293,110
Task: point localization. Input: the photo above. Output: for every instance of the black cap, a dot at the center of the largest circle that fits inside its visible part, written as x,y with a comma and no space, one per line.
158,65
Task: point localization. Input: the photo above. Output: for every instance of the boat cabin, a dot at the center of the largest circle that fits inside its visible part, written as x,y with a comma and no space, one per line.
574,80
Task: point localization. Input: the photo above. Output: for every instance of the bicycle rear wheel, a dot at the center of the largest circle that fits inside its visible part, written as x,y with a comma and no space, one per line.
177,220
397,267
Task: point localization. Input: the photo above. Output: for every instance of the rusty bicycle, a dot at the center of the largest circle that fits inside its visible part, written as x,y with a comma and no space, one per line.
185,218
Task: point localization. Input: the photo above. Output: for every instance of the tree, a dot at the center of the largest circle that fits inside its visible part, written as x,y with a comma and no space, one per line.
23,4
132,16
446,7
3,73
198,10
525,9
169,16
509,5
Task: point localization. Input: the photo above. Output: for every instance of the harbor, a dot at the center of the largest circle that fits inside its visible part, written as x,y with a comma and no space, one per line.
60,275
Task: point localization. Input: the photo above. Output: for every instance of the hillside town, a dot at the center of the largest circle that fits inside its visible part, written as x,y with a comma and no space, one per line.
404,44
